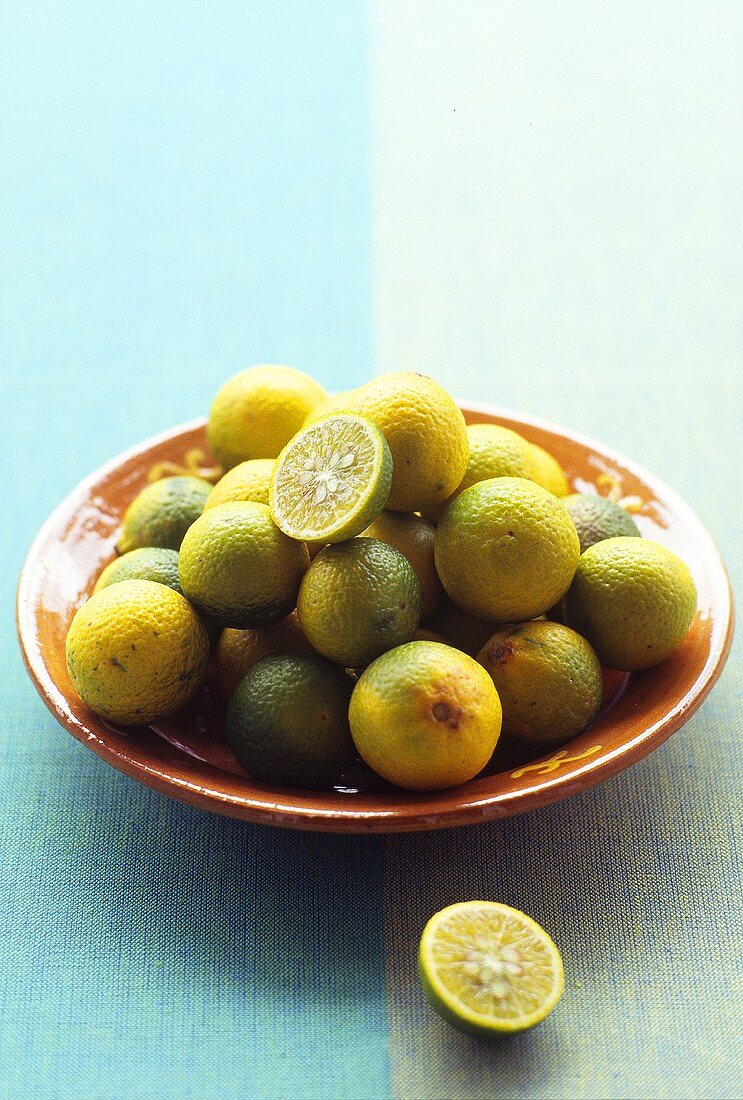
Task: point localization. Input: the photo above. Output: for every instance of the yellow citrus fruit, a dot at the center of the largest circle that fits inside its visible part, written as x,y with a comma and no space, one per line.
358,599
506,549
494,452
136,652
238,650
426,434
257,412
633,599
237,566
548,472
460,630
249,480
149,563
331,479
548,679
488,969
597,518
162,513
425,716
287,721
336,402
412,536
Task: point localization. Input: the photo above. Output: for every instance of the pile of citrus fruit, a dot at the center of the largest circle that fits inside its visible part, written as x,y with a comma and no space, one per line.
370,576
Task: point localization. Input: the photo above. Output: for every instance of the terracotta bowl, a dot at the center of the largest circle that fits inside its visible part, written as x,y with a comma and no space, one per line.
186,757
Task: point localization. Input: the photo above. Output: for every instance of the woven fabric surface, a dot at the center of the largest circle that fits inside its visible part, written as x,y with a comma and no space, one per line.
535,204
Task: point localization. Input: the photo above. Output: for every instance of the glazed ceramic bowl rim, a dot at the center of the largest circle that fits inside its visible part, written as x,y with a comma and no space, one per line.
300,809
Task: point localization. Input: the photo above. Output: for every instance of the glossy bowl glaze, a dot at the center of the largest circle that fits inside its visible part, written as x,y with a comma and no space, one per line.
186,757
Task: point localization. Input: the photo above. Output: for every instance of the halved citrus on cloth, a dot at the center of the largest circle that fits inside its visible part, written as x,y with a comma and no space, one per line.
331,480
489,969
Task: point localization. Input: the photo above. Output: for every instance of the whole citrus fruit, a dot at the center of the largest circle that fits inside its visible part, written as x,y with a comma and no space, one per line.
548,472
633,599
136,652
597,518
149,563
494,451
506,549
162,513
426,434
257,412
237,566
287,721
358,599
425,716
249,480
548,679
238,650
412,536
336,402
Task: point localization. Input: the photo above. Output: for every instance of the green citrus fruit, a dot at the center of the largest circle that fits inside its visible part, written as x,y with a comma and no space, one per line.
488,969
494,451
162,513
358,599
506,549
597,518
287,721
331,480
633,599
236,566
425,716
548,679
413,536
136,652
149,563
238,650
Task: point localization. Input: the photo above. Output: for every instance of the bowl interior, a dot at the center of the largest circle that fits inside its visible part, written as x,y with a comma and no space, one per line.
186,756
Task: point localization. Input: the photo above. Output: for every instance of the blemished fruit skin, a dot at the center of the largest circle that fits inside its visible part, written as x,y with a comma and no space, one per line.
506,550
548,679
136,652
633,599
256,412
413,536
148,563
162,512
238,650
426,433
598,518
425,716
236,566
357,600
249,480
287,721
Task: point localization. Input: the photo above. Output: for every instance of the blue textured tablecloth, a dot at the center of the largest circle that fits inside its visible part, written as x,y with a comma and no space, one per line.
540,206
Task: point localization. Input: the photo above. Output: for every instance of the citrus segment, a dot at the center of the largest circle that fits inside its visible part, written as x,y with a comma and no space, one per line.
331,480
488,968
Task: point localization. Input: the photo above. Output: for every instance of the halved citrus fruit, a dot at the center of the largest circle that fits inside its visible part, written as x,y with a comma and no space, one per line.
331,480
489,969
